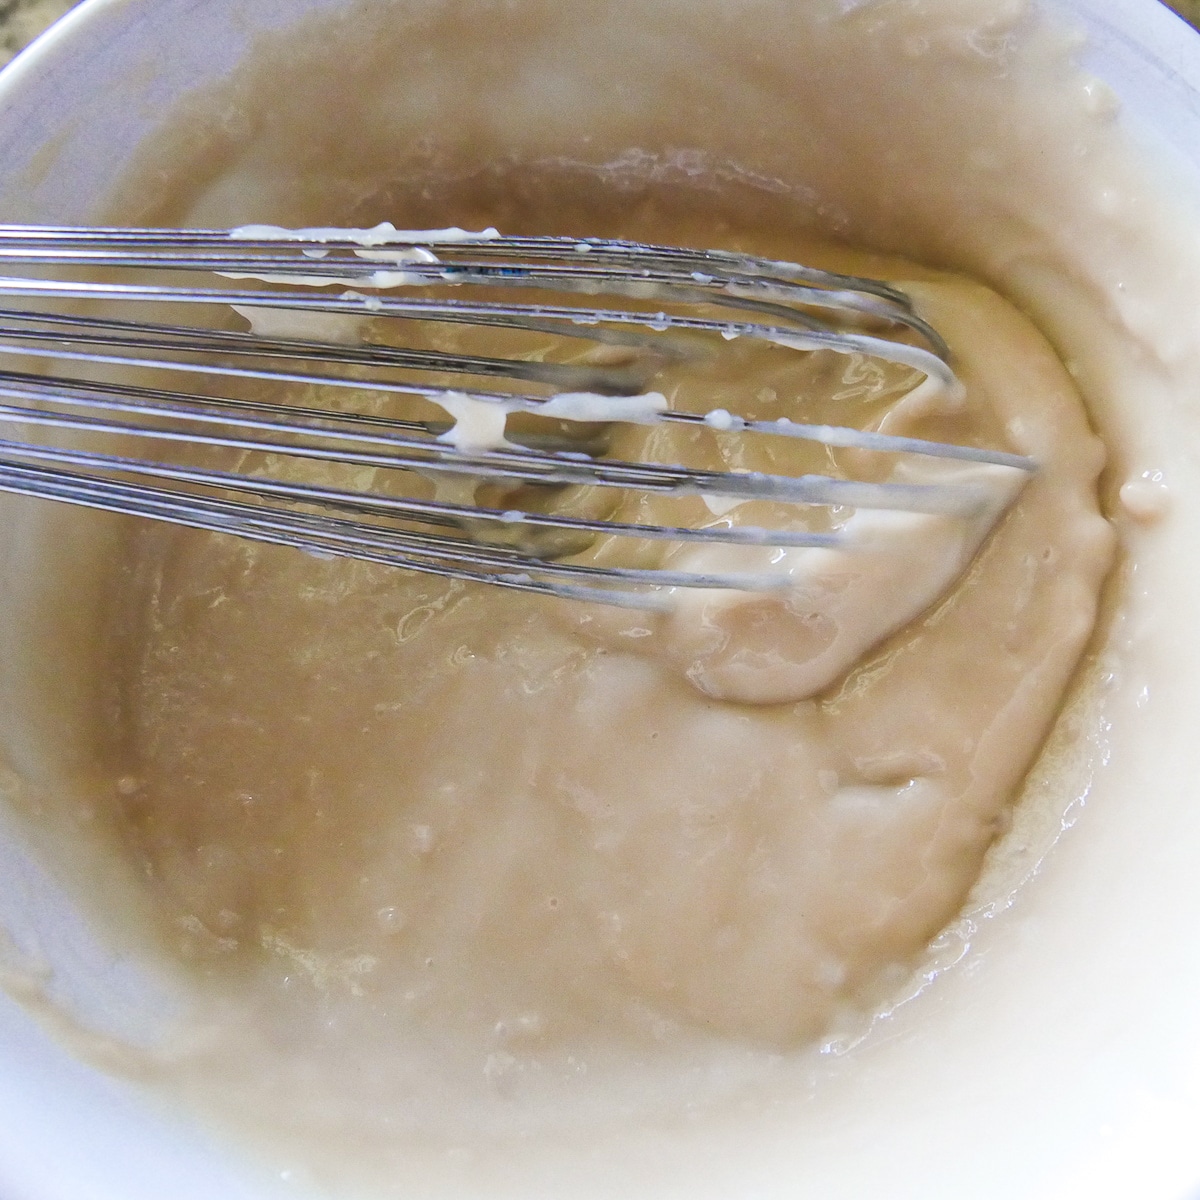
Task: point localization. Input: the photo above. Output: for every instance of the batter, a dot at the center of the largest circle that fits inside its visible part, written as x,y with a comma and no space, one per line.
483,813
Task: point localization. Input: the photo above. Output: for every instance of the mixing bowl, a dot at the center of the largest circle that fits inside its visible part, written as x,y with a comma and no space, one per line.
1057,1052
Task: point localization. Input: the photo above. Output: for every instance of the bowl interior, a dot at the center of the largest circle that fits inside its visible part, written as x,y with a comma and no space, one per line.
1061,1063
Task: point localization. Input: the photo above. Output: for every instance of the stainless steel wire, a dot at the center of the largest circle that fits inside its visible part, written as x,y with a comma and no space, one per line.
78,375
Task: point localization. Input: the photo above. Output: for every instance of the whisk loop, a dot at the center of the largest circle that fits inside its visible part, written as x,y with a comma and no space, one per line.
79,370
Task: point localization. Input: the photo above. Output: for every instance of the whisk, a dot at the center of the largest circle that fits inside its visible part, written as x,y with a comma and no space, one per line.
76,364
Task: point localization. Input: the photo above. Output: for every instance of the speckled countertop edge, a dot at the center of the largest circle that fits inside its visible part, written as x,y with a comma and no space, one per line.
22,20
1189,10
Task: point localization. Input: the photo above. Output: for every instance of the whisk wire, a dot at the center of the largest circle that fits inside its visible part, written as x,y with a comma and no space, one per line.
737,295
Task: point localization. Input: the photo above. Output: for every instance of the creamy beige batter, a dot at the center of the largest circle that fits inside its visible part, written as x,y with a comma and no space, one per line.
411,837
524,828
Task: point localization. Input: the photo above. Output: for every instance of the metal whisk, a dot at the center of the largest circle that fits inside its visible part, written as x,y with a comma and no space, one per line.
79,359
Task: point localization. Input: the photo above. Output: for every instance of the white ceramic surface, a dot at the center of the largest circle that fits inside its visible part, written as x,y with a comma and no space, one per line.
1100,1099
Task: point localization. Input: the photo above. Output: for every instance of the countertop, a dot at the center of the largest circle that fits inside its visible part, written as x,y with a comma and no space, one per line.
1188,9
22,20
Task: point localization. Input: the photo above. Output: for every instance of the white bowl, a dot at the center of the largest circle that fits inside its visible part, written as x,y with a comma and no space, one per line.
1068,1055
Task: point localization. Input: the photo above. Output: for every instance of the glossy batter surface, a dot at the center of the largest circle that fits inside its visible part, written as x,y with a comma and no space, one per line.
422,810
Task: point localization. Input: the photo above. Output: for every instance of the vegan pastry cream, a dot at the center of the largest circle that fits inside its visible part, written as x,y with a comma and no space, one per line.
474,809
438,861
